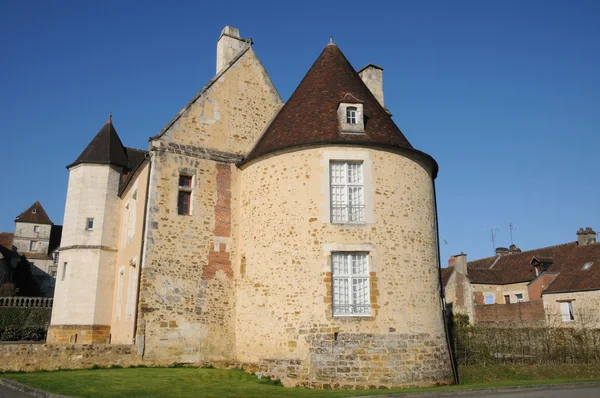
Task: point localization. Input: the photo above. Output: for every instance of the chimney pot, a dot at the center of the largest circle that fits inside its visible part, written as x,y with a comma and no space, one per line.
501,251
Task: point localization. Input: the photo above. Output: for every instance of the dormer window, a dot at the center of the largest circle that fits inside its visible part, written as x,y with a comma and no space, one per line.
351,118
351,115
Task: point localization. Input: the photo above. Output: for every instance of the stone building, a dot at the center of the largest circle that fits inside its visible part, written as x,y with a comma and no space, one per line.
556,285
37,239
297,238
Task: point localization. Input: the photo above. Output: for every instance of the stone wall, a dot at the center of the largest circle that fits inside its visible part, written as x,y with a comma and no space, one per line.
480,290
585,304
31,357
283,272
527,313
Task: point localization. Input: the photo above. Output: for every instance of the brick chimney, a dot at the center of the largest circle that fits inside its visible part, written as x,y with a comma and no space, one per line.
460,263
501,251
229,46
586,236
513,249
372,75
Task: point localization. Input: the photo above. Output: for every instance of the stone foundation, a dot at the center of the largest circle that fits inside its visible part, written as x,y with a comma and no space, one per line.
31,357
78,334
361,361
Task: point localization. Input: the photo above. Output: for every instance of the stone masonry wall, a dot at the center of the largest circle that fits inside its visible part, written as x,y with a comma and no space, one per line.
529,313
31,357
187,299
283,273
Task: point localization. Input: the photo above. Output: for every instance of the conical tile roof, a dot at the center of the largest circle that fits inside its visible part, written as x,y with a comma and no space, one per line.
34,214
105,148
310,115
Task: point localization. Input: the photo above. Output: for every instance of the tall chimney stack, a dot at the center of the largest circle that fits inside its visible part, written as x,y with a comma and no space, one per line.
372,75
229,46
460,263
586,236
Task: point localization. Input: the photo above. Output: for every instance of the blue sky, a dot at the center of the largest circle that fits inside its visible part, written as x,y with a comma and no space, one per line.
505,95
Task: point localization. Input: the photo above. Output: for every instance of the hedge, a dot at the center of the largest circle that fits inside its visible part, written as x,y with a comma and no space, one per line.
18,323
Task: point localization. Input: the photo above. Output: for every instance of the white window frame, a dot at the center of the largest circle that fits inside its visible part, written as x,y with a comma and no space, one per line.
519,299
33,245
566,311
348,211
36,229
342,310
351,115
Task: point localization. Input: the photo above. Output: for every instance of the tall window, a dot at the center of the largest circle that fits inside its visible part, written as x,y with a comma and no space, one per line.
350,284
131,291
64,271
89,224
351,115
566,310
132,216
347,199
32,246
53,273
56,258
184,198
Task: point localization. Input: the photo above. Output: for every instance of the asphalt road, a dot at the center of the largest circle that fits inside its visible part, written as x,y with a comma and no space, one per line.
6,392
591,392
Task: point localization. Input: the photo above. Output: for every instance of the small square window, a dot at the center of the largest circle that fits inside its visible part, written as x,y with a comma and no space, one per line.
519,297
185,181
89,225
36,228
183,202
489,299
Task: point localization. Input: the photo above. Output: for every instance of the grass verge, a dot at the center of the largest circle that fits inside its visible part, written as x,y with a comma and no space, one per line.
194,382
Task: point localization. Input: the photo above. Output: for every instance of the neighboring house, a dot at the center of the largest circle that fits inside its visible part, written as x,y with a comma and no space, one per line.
555,285
292,238
38,239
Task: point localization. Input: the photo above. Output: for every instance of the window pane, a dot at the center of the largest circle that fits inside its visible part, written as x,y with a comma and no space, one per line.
337,173
359,264
360,295
185,181
183,203
340,264
341,304
354,173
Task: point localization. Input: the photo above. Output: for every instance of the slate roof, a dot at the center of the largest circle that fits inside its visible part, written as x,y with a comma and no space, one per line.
105,148
6,240
567,260
34,214
310,115
446,274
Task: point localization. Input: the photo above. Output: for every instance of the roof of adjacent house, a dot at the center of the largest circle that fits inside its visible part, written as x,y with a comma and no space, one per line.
105,148
34,214
6,240
446,274
310,115
567,260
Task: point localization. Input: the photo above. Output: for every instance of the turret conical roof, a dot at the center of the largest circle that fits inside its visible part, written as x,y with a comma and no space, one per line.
310,115
105,148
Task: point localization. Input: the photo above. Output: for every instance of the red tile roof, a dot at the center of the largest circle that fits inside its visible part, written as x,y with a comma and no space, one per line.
34,214
567,260
310,115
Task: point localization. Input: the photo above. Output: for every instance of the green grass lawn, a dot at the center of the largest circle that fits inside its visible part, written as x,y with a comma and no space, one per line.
194,382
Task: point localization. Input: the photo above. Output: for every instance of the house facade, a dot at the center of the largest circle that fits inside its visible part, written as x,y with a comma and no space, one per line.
299,238
37,239
554,286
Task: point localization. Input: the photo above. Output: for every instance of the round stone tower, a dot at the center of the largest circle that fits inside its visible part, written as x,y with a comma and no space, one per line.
339,276
85,278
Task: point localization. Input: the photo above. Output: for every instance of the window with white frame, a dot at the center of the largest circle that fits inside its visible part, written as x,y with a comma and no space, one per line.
566,310
351,115
347,193
350,271
36,228
33,246
489,298
519,297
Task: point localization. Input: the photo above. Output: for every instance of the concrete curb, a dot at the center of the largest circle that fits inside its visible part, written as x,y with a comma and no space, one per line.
36,392
493,390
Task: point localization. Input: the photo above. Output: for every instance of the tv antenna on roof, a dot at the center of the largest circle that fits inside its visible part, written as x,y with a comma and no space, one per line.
512,228
493,234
